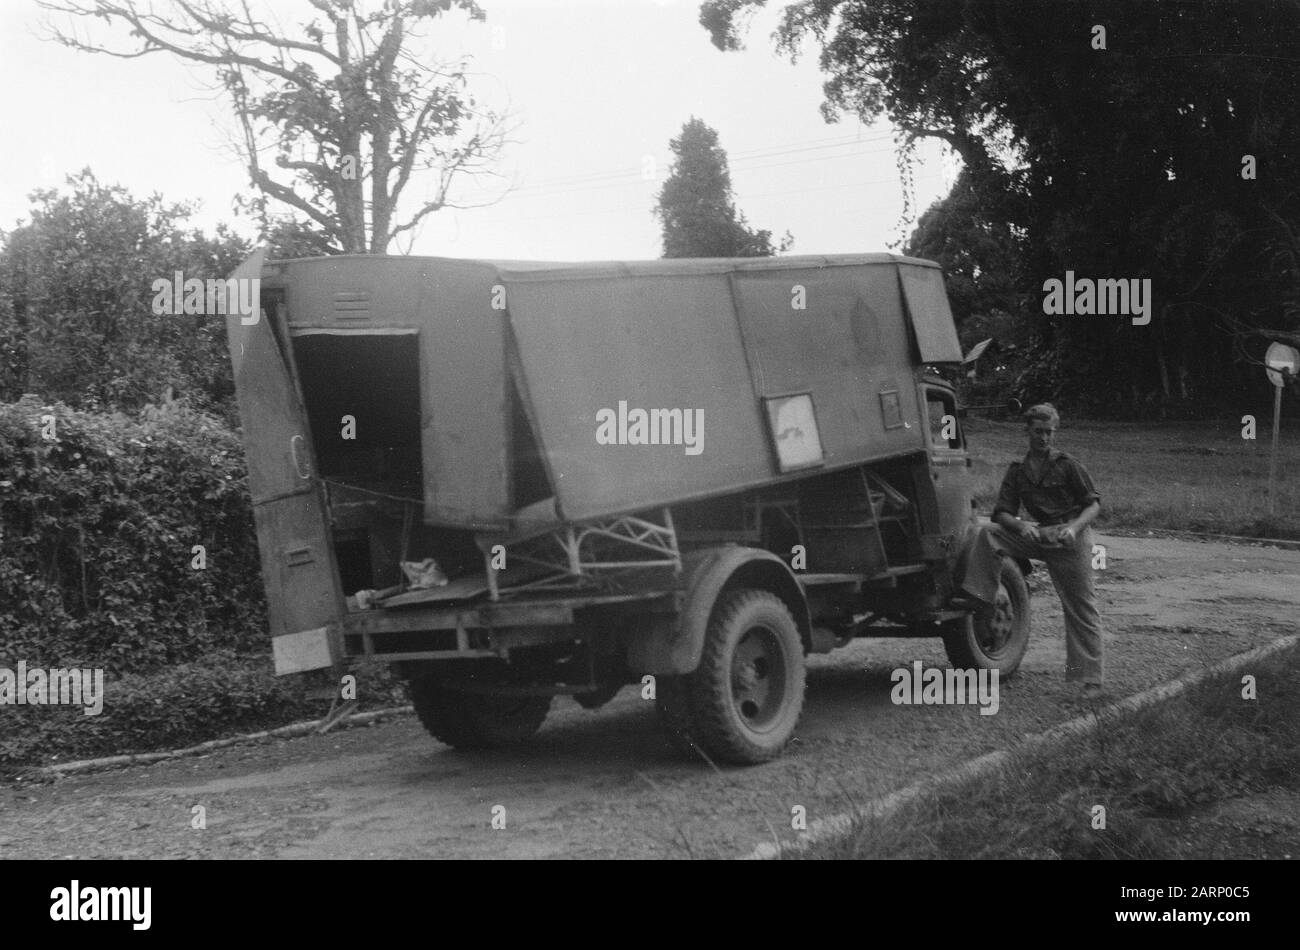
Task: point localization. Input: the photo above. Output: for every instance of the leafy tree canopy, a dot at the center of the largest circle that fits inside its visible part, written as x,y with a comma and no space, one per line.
76,317
696,207
1112,138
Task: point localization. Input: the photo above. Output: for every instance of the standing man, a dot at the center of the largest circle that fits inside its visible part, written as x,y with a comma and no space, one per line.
1058,495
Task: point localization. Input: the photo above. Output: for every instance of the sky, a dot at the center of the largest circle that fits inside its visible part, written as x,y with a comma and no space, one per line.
596,90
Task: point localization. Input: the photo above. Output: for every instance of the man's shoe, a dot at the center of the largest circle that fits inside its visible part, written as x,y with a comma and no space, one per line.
1093,691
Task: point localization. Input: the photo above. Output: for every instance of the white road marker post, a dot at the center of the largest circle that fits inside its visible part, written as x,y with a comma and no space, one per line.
1280,361
1272,460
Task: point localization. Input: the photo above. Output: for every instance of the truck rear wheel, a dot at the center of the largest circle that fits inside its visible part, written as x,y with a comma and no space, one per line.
474,720
745,697
993,639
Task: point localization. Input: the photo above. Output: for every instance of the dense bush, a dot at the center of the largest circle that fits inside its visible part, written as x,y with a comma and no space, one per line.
76,317
212,698
187,703
97,531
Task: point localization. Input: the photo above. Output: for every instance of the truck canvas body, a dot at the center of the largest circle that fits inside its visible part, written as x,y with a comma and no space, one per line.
698,471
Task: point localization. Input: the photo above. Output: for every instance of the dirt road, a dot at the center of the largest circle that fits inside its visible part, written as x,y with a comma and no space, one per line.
604,784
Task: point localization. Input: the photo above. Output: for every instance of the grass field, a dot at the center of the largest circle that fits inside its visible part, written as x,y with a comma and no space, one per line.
1178,476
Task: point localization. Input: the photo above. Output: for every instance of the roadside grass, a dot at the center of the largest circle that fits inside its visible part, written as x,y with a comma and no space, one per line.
1200,476
1151,772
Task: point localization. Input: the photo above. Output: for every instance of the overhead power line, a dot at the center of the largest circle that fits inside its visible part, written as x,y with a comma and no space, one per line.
738,158
638,179
564,215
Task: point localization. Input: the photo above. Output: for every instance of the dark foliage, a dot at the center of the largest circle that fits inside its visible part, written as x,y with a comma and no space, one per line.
77,323
696,206
1122,162
97,560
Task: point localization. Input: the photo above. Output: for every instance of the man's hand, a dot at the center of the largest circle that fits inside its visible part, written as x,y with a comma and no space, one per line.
1062,535
1030,532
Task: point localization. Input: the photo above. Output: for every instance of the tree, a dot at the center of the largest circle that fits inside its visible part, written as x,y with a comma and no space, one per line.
1123,155
342,103
696,207
289,237
981,255
76,318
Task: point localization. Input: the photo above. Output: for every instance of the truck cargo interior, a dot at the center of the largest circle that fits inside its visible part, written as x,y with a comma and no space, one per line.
374,379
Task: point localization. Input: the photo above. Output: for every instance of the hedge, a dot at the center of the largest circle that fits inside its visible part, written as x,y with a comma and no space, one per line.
100,519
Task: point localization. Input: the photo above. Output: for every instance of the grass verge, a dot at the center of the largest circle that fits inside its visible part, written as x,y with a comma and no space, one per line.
1160,775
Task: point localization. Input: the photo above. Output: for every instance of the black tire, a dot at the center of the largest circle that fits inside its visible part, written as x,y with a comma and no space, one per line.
474,720
994,639
747,693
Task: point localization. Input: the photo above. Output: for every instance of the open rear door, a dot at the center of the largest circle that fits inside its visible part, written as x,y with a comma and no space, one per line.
304,600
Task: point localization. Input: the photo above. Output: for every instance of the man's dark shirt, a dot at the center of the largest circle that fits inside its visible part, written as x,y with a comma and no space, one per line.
1062,491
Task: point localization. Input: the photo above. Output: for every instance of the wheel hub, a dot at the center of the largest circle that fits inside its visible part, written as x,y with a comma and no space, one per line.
1000,623
757,684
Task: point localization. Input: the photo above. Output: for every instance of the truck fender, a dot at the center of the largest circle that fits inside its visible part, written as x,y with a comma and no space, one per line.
674,647
972,533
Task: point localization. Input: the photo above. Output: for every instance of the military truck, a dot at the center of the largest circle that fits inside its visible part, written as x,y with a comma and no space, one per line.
515,480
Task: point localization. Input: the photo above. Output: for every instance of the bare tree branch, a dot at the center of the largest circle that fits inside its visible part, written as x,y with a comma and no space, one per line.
342,106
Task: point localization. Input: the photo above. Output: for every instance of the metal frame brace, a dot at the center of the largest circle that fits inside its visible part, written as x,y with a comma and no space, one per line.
602,554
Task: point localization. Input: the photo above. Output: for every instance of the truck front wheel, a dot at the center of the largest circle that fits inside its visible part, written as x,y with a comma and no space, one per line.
475,720
996,638
747,693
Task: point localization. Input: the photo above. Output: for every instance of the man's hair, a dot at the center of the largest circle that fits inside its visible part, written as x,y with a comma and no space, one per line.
1043,412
